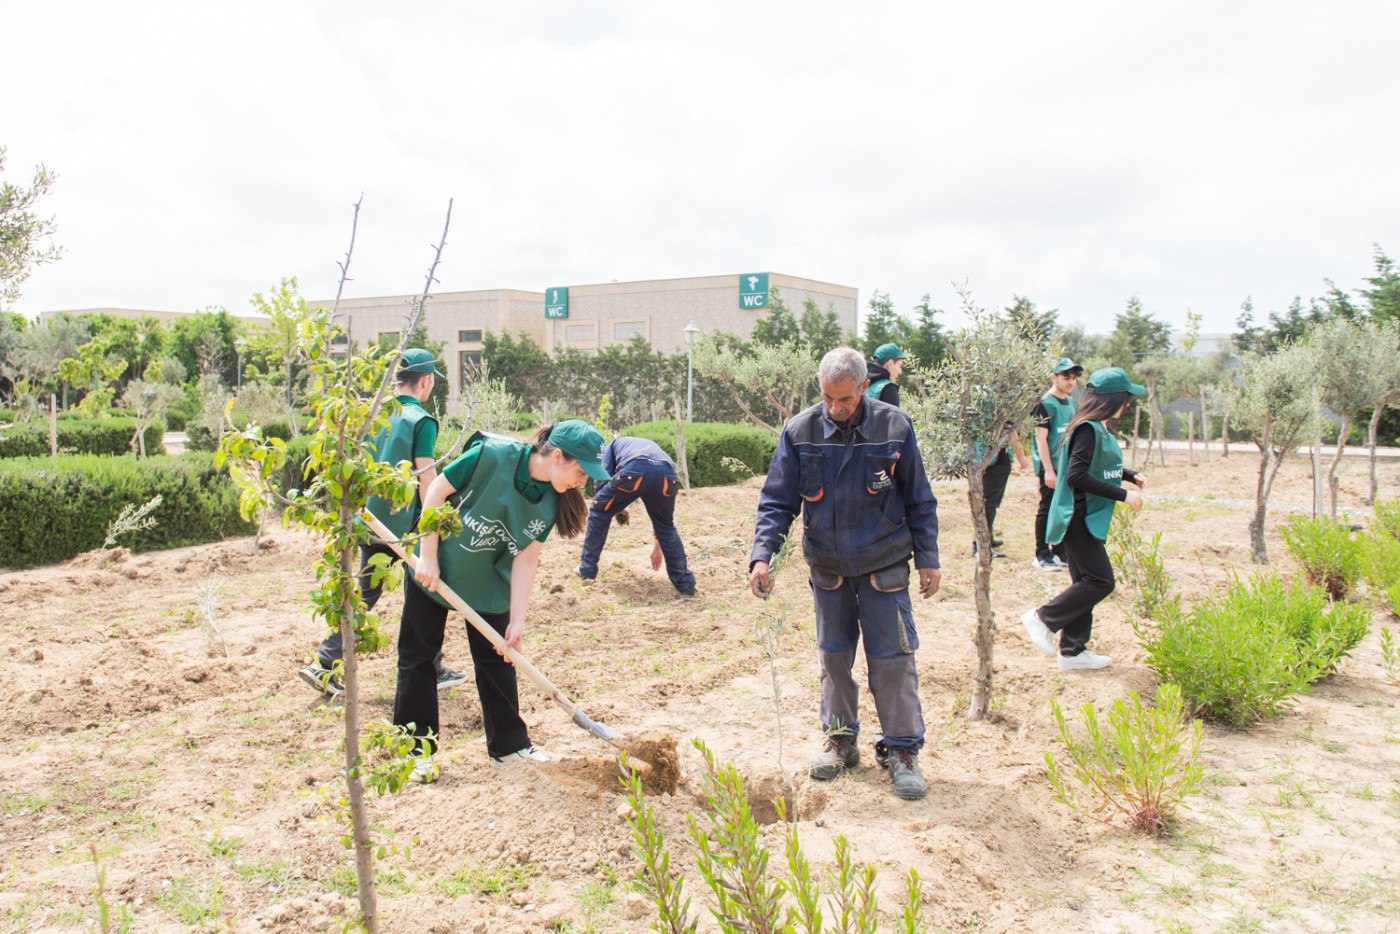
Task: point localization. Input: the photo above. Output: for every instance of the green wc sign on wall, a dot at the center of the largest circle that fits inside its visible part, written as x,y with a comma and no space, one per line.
556,303
753,290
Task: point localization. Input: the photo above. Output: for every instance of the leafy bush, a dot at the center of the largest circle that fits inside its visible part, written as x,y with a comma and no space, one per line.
53,508
1380,560
1386,520
110,436
1139,565
1243,656
1136,771
707,444
1330,556
202,438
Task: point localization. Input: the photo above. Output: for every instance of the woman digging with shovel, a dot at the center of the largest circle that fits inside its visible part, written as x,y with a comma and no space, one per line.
509,494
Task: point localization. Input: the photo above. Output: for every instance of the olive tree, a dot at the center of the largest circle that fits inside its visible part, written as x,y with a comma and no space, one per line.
778,374
1378,370
965,410
1277,416
1339,347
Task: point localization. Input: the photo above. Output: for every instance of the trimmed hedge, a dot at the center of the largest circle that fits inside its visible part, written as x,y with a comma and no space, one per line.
109,436
52,508
708,443
200,438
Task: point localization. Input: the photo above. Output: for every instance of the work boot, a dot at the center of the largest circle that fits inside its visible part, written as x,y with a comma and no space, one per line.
839,754
908,781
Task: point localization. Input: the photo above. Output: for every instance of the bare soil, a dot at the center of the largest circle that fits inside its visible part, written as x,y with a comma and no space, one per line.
207,781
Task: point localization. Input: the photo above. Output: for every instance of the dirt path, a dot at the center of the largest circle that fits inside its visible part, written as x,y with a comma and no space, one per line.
207,782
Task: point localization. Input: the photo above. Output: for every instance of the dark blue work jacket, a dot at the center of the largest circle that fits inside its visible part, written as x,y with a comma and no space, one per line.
862,490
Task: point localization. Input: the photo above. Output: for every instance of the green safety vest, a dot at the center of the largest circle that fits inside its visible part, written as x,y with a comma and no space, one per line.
394,445
1060,415
1106,465
498,522
877,387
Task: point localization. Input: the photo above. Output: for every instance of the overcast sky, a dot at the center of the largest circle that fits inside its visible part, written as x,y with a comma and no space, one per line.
1190,153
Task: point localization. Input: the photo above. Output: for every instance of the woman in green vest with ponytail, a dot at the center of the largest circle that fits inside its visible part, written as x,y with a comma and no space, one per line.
1090,469
509,494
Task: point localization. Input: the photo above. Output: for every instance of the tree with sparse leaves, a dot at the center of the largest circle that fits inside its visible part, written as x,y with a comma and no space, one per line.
967,409
24,235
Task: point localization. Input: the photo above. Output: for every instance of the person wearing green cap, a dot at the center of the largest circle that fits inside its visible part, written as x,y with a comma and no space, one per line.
887,367
1050,416
510,494
410,436
1091,473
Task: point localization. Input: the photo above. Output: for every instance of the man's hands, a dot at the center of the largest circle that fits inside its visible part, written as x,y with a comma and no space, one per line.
759,580
656,557
622,517
929,579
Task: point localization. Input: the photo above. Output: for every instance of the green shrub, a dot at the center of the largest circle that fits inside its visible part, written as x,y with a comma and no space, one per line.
1139,565
53,508
1136,770
1330,556
1386,520
1380,561
110,436
708,444
1244,655
200,438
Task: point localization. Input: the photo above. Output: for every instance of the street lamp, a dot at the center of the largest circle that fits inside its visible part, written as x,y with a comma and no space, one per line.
690,331
238,346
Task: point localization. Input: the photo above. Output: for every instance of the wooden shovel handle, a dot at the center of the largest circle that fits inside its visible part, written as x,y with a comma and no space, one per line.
479,624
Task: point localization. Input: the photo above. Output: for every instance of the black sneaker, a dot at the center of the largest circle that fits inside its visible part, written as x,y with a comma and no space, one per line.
998,542
325,680
839,754
449,678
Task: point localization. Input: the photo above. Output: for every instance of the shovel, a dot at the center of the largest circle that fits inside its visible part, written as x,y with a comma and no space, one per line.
581,719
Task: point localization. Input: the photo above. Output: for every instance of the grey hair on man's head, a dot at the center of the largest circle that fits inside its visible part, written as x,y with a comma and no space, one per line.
842,364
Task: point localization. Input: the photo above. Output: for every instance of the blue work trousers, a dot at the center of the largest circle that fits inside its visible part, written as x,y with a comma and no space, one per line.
876,606
654,483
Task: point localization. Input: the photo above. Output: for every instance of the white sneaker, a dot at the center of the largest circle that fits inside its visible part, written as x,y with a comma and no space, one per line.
1060,563
528,754
424,771
1041,637
1047,564
1084,661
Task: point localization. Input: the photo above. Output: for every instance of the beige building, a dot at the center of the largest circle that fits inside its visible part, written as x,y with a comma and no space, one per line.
589,317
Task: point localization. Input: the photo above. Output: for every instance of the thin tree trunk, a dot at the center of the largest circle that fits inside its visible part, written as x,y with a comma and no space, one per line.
1205,428
1191,439
1336,460
1225,436
1161,436
1375,427
982,590
1137,422
53,426
359,812
1258,548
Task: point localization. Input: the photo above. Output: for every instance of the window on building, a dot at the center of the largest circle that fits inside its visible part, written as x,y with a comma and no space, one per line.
469,366
340,338
472,336
581,333
623,331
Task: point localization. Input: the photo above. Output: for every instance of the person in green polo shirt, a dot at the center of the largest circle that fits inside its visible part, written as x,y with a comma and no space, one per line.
887,367
510,494
1050,416
411,435
1091,476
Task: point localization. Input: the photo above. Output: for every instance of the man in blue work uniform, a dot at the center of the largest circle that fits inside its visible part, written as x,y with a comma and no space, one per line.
640,470
852,466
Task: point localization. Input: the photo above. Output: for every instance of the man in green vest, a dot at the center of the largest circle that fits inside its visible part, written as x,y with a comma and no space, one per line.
411,435
1050,416
882,373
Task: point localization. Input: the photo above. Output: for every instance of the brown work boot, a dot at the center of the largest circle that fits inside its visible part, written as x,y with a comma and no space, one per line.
839,754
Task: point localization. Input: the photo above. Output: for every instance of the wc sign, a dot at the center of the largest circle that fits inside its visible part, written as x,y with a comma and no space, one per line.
753,290
556,303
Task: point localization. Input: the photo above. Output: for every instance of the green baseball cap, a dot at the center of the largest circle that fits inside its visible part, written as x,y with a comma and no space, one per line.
419,361
887,352
584,443
1066,365
1114,379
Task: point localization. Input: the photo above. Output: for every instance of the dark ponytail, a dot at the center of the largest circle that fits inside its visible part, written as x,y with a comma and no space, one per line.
1094,408
571,514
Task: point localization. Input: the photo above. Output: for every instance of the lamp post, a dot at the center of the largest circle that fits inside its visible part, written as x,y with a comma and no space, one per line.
690,331
238,346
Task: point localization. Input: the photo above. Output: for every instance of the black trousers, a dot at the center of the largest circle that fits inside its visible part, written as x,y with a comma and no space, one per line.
994,487
1071,614
1042,517
332,649
416,697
